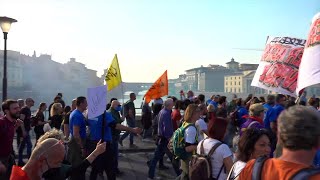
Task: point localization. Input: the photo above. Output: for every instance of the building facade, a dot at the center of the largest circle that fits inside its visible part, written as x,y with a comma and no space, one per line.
240,82
212,77
42,78
14,69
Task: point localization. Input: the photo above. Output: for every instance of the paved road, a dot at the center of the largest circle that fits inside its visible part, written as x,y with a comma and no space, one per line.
135,167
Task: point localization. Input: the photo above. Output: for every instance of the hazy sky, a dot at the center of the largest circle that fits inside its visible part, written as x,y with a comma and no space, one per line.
152,36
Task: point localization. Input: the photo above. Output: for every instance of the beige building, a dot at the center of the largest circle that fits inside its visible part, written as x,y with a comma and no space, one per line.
240,82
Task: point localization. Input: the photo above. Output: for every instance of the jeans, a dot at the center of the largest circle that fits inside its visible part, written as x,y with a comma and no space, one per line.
131,123
158,154
146,133
26,140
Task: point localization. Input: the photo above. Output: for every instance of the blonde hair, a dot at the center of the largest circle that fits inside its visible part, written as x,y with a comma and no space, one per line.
210,108
55,109
54,133
191,109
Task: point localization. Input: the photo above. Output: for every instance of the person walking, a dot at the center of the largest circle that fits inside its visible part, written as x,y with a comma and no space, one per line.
165,131
25,116
130,115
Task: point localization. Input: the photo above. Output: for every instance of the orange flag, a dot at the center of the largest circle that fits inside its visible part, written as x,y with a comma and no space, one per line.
158,89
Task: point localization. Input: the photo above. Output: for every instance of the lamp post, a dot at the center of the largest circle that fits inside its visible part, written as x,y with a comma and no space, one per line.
5,23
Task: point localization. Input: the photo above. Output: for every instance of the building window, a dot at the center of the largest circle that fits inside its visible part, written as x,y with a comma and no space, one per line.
231,78
226,83
239,82
239,77
231,83
239,90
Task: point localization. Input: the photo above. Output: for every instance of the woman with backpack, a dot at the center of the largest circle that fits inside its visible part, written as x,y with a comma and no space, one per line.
191,115
221,159
252,144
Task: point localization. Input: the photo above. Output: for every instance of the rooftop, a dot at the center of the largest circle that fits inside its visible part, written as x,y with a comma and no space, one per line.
232,62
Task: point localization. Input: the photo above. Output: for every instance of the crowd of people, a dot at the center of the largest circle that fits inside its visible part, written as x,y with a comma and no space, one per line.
67,143
272,137
278,130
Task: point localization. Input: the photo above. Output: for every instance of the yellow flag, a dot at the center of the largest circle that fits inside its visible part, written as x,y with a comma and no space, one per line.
113,77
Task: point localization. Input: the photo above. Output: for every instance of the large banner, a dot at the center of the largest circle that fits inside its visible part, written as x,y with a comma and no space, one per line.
279,66
309,73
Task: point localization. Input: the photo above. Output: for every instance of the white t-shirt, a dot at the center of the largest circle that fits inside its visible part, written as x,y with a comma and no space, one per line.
217,157
190,135
237,168
201,126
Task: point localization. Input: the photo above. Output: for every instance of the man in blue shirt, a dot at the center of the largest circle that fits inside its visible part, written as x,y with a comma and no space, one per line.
269,115
165,131
77,129
214,102
241,111
278,108
106,161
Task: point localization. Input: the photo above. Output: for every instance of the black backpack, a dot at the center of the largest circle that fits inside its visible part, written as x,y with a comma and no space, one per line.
303,174
200,167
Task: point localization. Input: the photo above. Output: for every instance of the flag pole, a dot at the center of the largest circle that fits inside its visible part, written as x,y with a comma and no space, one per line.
103,122
122,98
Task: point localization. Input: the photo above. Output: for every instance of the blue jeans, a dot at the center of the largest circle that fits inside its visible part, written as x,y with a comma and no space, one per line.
115,147
26,140
131,123
158,154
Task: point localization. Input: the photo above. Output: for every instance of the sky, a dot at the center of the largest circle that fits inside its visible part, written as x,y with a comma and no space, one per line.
151,36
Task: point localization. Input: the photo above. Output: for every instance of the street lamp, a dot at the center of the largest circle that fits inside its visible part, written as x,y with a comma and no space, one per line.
5,23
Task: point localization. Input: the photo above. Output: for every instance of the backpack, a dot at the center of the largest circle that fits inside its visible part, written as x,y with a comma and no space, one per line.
178,142
302,174
200,167
34,120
